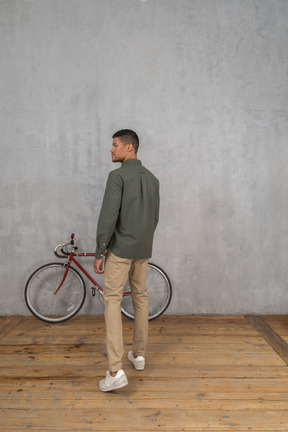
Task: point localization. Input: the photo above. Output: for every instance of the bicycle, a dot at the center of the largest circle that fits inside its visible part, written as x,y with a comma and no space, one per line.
56,292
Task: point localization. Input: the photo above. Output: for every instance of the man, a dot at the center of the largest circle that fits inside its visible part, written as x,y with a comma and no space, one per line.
126,225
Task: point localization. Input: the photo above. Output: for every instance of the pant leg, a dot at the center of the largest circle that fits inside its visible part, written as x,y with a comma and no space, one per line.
137,280
115,276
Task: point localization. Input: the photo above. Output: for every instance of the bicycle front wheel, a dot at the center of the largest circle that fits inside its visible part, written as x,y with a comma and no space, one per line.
159,292
47,304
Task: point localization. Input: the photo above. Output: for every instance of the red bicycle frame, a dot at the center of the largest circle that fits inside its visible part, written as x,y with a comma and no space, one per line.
72,259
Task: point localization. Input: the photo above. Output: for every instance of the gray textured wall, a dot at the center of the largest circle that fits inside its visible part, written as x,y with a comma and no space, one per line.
204,83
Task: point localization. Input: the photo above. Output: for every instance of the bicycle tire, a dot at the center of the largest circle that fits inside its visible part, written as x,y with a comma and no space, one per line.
159,290
40,288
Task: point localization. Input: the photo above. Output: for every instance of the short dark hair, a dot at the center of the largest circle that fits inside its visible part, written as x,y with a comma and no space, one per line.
128,136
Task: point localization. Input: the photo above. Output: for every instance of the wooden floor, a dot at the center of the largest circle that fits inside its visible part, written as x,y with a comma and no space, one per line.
202,374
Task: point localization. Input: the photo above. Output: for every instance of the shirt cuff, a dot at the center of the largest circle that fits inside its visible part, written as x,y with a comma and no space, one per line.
101,251
99,254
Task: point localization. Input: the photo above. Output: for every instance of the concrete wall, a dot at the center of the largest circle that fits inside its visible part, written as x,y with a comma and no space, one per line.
204,83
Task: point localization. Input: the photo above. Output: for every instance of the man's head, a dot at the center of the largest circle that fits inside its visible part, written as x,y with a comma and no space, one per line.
124,146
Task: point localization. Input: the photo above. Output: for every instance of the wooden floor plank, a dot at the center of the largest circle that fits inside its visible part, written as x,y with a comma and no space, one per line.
279,325
163,359
68,401
202,374
186,346
274,340
152,388
153,419
8,324
63,339
203,371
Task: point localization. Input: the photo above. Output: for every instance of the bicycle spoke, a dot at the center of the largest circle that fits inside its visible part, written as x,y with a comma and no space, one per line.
64,299
45,282
43,291
40,289
64,287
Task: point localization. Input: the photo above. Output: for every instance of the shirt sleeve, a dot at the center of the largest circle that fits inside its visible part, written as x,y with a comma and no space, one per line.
109,213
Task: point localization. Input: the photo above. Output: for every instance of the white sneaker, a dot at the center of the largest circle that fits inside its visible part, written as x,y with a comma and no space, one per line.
112,383
138,362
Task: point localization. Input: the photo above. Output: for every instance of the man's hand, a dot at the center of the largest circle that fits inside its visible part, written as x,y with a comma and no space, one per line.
98,265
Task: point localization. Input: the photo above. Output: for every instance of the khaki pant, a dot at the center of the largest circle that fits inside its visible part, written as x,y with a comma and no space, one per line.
116,272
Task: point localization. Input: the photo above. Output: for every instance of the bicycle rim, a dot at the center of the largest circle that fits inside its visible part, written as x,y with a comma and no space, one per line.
40,294
159,292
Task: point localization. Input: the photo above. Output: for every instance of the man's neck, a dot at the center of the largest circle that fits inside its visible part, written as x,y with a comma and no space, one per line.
134,157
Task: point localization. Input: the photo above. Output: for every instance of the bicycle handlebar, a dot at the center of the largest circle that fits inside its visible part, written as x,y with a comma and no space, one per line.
64,254
64,246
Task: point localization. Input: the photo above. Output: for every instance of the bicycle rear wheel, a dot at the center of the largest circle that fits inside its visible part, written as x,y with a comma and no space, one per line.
40,294
159,292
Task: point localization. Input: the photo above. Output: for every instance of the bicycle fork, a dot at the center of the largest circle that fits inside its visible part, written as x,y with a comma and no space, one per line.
67,265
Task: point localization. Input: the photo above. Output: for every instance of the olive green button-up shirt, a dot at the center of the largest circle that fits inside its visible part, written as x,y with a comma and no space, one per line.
129,213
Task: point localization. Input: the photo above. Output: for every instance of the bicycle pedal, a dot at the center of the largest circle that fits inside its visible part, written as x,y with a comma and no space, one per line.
93,291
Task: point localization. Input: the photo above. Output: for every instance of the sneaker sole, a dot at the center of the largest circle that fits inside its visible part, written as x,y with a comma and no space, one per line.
114,387
138,367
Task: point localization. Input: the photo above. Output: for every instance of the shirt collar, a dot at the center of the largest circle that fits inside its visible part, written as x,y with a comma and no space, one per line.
132,161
